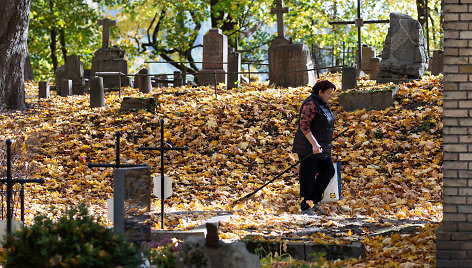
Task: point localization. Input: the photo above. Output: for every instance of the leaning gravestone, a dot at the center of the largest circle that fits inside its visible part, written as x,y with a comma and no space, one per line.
132,202
110,59
288,62
404,55
215,58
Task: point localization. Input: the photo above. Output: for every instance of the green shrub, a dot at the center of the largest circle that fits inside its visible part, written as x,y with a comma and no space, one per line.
74,240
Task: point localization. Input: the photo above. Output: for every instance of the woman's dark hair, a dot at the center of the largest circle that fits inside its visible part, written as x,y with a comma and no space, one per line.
322,85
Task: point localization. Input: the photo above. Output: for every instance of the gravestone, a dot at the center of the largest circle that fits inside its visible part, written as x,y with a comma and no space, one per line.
437,62
110,59
161,80
404,55
43,92
369,100
367,54
132,202
66,88
144,81
178,79
58,75
210,252
288,62
74,70
97,92
234,69
375,65
349,78
215,58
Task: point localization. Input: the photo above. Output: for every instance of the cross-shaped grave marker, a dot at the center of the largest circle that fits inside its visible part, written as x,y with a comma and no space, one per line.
107,24
9,181
163,149
279,9
117,158
359,22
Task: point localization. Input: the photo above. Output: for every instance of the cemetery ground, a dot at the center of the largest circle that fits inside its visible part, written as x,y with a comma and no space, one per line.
391,163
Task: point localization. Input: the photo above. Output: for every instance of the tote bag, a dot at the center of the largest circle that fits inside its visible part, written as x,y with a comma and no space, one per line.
333,191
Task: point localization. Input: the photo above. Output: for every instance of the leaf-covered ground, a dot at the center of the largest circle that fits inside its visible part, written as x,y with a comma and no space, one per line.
391,160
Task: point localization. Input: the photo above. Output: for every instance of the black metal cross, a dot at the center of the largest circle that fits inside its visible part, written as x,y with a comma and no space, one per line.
163,149
359,22
117,158
9,181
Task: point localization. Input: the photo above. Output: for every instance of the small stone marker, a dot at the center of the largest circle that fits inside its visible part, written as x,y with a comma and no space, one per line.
66,87
97,92
162,80
215,58
367,54
375,65
404,55
132,202
209,252
178,79
136,104
58,76
349,78
43,92
144,84
107,24
234,67
156,190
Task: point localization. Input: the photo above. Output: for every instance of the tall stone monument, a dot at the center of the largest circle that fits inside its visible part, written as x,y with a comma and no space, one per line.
404,55
287,61
110,59
215,58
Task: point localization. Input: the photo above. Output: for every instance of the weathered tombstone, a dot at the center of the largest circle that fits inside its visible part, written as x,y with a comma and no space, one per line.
234,69
132,202
43,91
288,63
73,70
97,92
178,79
110,59
215,58
349,78
210,252
58,75
369,100
437,62
161,80
375,65
145,84
66,88
404,55
367,54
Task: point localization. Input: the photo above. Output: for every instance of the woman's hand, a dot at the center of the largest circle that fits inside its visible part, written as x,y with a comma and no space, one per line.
317,149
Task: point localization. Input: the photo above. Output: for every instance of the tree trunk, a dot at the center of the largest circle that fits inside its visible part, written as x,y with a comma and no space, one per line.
62,38
13,51
421,9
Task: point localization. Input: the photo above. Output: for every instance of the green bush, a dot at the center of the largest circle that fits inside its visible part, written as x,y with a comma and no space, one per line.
74,240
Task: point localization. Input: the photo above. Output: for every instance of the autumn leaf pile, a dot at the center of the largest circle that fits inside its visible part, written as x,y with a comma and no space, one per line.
391,159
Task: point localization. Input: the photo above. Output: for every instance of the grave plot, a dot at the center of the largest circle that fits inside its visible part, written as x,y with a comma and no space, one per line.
376,97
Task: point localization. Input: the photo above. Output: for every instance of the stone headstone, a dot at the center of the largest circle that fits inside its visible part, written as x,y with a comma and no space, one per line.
178,79
215,58
437,62
97,92
161,80
66,88
145,84
44,92
404,55
234,69
111,59
349,78
375,65
367,54
209,252
288,65
73,70
58,75
132,202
